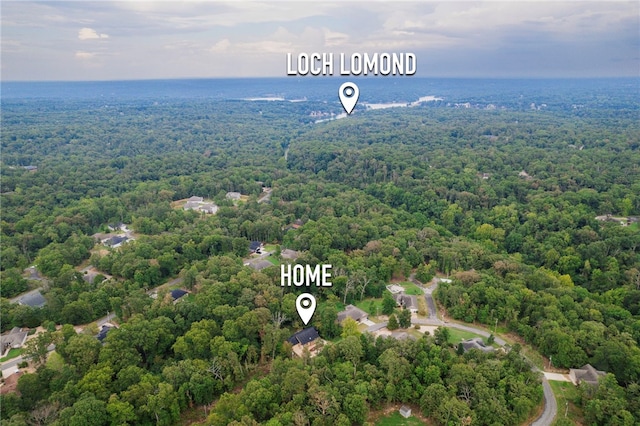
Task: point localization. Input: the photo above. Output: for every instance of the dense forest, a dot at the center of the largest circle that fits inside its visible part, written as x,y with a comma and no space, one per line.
503,201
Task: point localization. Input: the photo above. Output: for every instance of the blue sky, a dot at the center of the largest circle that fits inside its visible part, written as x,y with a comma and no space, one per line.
112,40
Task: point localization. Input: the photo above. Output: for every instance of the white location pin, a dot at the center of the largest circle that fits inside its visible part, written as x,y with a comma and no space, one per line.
349,94
306,306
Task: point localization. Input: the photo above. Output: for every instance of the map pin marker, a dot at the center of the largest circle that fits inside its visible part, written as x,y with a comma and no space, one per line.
306,306
349,94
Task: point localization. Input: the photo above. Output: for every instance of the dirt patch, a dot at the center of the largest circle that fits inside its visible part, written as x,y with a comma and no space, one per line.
10,383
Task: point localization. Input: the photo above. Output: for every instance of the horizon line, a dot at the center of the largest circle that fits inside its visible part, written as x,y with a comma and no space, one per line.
2,81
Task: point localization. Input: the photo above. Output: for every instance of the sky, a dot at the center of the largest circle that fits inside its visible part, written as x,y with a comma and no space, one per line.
127,40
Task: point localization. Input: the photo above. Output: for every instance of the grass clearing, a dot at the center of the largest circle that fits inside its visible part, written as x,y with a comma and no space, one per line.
375,309
55,361
411,289
273,260
396,419
456,336
13,353
533,356
566,397
270,247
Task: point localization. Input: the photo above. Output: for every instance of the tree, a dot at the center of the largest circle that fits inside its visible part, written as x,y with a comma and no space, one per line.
88,411
442,336
120,412
491,339
349,328
82,351
32,389
36,348
388,304
163,405
393,322
355,407
328,324
351,349
404,318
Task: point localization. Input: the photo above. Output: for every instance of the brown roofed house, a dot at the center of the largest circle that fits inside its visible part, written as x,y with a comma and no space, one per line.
587,373
12,340
352,312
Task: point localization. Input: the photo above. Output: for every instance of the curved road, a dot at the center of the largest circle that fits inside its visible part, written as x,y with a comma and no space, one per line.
550,405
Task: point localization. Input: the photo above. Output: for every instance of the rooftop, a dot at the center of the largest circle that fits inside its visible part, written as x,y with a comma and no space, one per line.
476,343
34,299
304,336
586,373
352,312
178,293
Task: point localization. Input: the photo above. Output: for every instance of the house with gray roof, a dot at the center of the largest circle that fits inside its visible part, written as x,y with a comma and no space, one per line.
587,373
407,301
12,340
476,343
352,312
34,299
115,241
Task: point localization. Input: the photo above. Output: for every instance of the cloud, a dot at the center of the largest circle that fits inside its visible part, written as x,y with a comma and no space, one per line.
157,38
221,46
90,34
84,55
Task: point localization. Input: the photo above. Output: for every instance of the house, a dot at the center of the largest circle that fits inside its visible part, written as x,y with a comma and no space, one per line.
289,254
525,175
352,312
177,294
405,411
305,339
33,273
115,241
260,264
34,299
476,343
395,289
30,168
12,340
587,373
104,330
402,335
407,301
192,205
198,204
255,247
208,208
233,196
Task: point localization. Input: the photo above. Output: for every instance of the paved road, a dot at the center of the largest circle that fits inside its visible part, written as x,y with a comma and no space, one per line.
267,197
11,364
550,406
431,306
376,327
167,284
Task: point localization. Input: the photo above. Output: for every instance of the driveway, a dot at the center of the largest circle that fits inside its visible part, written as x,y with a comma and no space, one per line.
550,406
